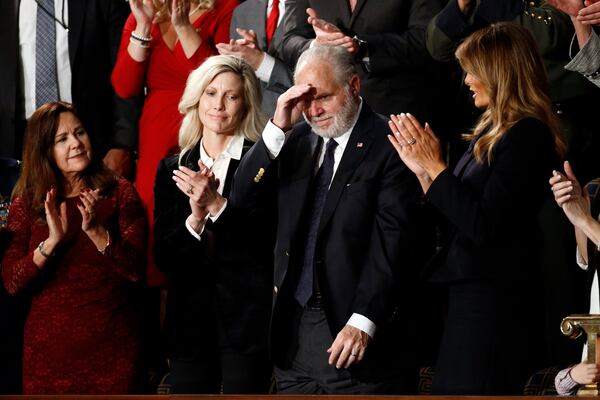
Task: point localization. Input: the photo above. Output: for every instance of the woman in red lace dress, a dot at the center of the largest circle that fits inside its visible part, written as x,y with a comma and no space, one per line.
162,42
78,245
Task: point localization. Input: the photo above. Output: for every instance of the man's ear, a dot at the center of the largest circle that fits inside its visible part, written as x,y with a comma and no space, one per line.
355,85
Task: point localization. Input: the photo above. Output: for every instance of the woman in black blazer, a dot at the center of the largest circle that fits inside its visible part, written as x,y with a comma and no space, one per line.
217,258
490,263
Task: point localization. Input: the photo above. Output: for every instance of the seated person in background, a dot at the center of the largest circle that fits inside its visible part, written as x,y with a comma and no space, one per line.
580,206
217,257
256,24
78,245
587,60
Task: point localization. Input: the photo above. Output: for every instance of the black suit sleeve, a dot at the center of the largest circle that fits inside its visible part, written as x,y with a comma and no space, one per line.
392,242
516,186
298,33
174,245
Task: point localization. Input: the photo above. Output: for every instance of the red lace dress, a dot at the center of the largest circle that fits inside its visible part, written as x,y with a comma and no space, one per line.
81,334
164,74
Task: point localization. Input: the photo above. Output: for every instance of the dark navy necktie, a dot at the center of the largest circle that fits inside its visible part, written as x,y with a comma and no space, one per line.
46,80
304,290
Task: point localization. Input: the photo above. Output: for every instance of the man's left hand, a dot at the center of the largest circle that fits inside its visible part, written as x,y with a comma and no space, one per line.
119,161
348,347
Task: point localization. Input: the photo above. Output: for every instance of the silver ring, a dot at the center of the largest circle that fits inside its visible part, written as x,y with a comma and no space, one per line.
190,189
353,355
412,141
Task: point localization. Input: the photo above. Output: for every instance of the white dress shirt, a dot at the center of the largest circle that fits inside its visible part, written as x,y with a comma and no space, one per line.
265,69
274,139
219,167
27,31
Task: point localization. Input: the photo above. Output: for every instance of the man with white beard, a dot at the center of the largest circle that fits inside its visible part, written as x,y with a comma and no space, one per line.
348,229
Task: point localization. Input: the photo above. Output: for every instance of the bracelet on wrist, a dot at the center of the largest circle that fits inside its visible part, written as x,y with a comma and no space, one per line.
140,38
103,251
42,252
138,43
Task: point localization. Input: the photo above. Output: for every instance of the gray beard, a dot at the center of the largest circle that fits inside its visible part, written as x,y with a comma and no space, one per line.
342,121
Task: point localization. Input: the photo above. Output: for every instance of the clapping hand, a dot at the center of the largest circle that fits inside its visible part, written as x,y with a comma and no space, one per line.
245,48
180,11
55,218
590,14
418,147
89,203
328,34
143,11
201,189
569,195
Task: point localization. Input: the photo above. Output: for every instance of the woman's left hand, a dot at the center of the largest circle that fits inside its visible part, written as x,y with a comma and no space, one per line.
417,146
569,195
87,208
200,187
180,13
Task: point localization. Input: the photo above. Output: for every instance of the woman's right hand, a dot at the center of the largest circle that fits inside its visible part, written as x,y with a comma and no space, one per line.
143,11
569,195
55,218
584,373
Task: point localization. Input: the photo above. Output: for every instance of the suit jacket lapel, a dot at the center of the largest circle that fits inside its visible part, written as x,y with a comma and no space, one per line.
351,159
76,21
357,9
233,164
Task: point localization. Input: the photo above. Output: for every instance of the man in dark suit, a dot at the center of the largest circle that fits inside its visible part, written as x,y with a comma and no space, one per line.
387,40
347,234
93,29
258,32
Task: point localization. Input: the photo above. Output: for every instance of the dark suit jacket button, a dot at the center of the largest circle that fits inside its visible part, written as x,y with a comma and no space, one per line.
287,253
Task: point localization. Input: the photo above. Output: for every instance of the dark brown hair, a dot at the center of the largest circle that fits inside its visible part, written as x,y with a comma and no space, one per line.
40,171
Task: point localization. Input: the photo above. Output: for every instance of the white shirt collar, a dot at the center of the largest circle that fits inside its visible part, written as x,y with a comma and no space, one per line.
234,150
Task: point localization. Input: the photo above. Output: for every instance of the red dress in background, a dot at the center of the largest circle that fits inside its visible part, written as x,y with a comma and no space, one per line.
164,74
82,332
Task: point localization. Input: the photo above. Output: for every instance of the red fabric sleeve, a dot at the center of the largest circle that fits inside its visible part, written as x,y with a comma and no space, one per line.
18,268
127,251
128,76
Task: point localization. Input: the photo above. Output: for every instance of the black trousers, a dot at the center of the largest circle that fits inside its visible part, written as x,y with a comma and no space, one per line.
306,369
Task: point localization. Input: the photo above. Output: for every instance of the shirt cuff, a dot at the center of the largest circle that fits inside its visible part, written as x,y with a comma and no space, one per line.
580,261
193,232
214,218
586,61
265,69
563,382
273,138
363,323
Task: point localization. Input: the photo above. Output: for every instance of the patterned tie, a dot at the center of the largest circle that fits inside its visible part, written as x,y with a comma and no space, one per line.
272,21
46,81
304,290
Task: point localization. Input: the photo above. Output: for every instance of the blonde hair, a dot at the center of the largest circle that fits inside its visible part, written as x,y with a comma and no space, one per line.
163,8
254,120
504,57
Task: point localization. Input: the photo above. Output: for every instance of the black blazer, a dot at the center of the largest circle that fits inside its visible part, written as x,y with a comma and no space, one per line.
219,285
366,251
95,28
398,79
493,209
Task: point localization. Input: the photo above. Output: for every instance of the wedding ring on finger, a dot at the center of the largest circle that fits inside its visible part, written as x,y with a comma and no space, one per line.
190,189
412,141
